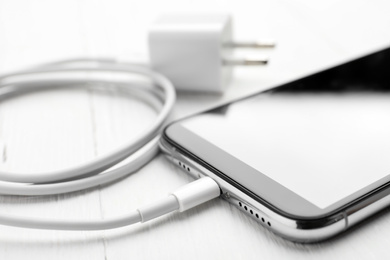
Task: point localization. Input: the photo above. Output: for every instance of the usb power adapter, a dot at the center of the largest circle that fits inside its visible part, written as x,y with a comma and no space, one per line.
196,51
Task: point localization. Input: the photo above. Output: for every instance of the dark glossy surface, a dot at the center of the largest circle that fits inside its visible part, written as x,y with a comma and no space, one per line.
307,148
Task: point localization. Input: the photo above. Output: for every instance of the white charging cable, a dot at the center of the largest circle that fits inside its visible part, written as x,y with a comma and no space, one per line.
97,172
194,52
186,197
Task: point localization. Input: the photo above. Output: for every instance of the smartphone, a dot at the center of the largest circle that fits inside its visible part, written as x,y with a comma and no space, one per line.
307,159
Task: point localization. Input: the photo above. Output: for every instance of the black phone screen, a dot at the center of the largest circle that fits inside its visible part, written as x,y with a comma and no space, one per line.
324,137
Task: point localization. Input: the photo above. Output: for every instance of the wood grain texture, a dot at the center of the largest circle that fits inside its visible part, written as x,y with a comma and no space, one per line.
56,129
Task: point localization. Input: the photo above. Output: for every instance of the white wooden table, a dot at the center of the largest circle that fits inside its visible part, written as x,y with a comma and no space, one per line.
56,129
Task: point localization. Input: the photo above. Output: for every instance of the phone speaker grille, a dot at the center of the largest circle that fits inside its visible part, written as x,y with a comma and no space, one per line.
254,214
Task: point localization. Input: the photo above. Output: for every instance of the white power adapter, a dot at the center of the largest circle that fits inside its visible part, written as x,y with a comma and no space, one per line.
195,51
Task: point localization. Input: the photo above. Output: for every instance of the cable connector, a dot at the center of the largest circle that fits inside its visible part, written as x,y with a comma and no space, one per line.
196,51
196,193
184,198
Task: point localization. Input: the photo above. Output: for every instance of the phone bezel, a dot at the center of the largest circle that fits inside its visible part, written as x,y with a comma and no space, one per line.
269,192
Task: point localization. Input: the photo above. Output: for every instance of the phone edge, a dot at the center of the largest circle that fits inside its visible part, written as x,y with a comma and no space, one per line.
296,230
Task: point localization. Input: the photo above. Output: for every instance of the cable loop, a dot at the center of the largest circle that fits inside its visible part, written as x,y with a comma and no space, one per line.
139,151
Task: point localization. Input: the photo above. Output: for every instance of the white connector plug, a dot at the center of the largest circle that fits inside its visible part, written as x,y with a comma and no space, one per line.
184,198
196,193
195,51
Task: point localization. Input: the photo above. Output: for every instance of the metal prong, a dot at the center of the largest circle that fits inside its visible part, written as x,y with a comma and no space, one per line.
245,62
253,45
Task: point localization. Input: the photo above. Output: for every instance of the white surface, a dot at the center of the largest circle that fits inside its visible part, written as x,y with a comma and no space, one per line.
58,128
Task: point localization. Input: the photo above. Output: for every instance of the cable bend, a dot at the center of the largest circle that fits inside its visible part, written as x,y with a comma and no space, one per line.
139,151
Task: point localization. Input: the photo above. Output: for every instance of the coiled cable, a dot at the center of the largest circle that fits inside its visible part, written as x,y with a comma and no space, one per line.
138,151
126,158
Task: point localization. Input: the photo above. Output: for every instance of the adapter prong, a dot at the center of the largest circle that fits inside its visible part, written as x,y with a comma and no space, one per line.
253,45
245,62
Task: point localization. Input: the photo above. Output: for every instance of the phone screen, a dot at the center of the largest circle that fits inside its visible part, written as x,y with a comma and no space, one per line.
323,137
